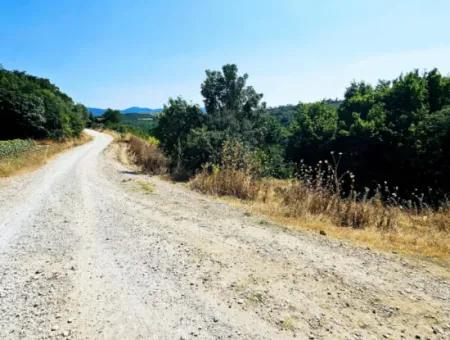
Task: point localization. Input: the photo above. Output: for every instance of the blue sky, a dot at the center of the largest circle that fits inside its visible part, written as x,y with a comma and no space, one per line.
117,53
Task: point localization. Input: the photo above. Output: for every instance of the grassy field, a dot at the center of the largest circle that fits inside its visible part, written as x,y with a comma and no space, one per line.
18,156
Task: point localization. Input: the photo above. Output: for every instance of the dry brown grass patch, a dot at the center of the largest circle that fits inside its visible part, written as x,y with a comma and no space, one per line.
147,155
226,182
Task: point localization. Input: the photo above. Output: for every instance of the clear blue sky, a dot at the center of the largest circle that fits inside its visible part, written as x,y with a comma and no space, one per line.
118,53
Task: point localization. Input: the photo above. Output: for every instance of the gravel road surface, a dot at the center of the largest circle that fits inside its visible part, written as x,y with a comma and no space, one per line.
91,249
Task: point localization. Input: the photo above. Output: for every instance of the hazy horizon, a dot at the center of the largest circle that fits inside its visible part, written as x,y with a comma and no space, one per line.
117,54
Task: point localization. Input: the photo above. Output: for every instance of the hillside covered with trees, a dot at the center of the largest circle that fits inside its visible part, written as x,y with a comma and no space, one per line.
32,107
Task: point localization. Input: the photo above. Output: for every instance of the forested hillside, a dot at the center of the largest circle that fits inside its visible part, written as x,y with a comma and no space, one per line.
32,107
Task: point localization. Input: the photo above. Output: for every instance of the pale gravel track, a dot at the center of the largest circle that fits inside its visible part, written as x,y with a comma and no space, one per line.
86,252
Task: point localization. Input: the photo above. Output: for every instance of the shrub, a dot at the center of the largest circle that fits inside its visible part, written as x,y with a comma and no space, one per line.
226,182
148,156
13,147
237,175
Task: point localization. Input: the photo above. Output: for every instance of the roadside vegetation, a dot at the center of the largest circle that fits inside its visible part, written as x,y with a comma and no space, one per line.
32,107
11,148
146,154
372,167
37,121
36,154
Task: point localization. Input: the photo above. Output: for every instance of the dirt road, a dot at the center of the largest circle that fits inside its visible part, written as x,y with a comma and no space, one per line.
91,250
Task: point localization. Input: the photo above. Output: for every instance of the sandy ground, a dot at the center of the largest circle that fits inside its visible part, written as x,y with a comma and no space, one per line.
90,249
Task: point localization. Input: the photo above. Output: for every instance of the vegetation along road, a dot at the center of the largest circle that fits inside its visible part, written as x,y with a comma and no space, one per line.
90,249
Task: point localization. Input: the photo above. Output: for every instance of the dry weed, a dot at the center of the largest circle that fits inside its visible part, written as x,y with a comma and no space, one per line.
147,155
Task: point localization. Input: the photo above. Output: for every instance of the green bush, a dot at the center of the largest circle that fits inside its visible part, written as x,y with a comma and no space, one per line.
13,147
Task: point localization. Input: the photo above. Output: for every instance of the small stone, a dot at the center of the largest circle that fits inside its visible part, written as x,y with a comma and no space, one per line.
240,301
215,319
54,328
65,334
323,233
69,320
435,330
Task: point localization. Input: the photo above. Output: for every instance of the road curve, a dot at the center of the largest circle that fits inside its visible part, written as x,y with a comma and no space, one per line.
90,249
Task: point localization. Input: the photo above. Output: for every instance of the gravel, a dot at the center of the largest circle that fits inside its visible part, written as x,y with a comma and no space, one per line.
86,253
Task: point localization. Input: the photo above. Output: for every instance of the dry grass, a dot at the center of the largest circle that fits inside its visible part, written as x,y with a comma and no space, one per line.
147,155
368,223
299,199
235,176
40,154
226,182
317,201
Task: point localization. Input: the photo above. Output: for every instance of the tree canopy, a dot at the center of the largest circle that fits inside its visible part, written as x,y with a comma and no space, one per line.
233,111
32,107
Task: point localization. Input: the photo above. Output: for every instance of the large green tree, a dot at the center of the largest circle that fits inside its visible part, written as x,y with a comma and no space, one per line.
111,117
232,106
233,111
174,125
313,131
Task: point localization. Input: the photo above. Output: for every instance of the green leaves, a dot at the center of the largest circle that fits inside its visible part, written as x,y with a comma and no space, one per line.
111,117
13,147
233,112
32,107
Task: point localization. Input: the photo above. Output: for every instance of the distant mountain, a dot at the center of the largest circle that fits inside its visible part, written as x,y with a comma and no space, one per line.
96,111
134,109
137,109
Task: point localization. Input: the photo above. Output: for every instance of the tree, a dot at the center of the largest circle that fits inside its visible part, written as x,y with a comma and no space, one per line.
32,107
359,98
313,132
23,115
231,106
175,123
112,117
